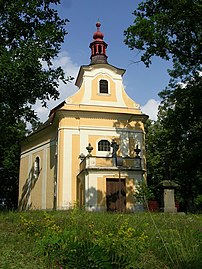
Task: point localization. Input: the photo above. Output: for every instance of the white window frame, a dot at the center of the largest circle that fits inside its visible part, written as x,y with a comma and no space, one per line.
103,153
99,93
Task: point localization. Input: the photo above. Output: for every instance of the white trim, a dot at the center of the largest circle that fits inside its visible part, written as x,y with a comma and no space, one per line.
84,141
29,176
104,105
105,102
97,128
115,173
86,182
91,192
92,73
124,143
67,170
119,93
87,90
58,165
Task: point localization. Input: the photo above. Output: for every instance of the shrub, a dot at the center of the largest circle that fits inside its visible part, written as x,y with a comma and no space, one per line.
78,239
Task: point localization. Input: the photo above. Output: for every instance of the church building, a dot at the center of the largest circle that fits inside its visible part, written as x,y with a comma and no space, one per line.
91,150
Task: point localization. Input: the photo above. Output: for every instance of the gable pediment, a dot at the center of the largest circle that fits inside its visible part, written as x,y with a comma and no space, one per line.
90,80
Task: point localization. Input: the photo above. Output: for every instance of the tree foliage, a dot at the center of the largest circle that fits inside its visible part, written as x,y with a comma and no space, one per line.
31,34
181,116
171,29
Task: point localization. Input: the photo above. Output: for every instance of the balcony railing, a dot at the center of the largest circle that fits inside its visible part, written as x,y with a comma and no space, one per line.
97,162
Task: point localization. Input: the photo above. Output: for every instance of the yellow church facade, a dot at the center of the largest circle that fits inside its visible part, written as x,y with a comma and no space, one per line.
91,151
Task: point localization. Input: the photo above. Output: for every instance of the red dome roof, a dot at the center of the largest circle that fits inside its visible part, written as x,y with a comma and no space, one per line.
98,34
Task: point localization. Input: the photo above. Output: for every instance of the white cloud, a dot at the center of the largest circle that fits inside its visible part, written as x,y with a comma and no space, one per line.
151,108
65,90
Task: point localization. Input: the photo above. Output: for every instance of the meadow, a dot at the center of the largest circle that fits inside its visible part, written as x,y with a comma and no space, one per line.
77,239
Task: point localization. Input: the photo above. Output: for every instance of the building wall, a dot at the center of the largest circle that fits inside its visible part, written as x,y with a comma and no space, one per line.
49,175
95,188
75,133
36,189
86,117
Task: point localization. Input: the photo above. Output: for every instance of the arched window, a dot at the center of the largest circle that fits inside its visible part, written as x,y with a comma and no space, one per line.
103,86
37,166
103,145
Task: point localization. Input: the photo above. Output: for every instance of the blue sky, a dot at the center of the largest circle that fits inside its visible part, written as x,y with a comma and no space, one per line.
141,84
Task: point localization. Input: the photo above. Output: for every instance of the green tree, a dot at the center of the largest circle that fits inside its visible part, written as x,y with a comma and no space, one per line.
31,34
171,29
155,155
181,116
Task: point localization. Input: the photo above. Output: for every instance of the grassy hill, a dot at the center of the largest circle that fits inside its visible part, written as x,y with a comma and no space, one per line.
78,239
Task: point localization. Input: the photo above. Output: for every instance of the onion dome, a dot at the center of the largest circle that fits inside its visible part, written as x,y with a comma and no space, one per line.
98,35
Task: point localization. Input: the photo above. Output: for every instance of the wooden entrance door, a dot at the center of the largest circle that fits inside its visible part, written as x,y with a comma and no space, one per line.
116,194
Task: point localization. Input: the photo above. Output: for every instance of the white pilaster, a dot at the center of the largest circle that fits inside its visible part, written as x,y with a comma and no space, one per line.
30,176
91,192
44,174
67,170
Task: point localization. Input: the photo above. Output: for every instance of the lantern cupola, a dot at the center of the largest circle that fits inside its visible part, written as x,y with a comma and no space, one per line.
98,47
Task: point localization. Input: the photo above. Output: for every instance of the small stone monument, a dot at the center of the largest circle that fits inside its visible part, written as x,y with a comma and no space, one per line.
169,187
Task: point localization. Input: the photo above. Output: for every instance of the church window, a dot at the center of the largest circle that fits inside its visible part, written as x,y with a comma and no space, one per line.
37,166
103,86
103,145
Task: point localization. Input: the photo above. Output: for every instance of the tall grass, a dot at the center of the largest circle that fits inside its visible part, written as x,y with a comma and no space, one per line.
79,239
